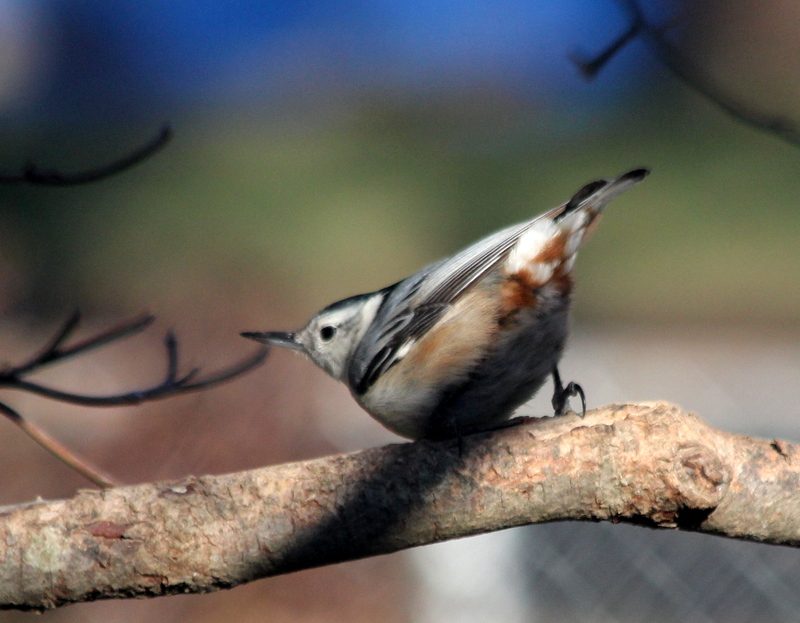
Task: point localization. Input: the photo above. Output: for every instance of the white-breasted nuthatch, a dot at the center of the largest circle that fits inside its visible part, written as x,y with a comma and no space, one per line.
458,346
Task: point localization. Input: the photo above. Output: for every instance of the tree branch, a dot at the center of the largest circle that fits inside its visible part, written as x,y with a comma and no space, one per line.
59,450
649,464
688,72
12,377
36,176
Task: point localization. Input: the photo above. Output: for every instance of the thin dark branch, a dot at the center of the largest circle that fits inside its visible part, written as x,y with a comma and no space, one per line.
173,383
228,373
53,353
170,386
589,68
689,73
703,84
49,350
171,344
36,176
59,450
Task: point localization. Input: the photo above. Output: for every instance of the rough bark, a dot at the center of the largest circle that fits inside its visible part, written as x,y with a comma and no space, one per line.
650,464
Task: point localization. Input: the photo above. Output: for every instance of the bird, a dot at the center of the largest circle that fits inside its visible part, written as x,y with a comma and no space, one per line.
458,346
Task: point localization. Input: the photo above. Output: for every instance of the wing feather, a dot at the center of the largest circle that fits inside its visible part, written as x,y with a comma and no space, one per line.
412,306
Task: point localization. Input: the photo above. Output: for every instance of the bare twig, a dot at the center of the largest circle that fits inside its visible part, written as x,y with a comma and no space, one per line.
12,377
689,73
650,464
55,447
54,352
36,176
590,67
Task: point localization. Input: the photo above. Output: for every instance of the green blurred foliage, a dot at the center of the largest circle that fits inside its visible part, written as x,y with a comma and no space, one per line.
301,208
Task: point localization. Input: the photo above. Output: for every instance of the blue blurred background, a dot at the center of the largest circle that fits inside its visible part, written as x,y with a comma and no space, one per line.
97,61
326,148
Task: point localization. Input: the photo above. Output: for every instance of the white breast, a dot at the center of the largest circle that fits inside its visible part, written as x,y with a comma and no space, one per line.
405,396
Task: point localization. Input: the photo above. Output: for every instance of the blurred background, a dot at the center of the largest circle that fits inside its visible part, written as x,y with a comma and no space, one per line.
328,148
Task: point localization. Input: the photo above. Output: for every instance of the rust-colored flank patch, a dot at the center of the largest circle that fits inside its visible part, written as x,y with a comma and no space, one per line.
553,251
518,291
562,281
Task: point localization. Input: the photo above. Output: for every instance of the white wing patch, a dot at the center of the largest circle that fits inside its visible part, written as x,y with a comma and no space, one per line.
529,246
403,350
569,263
574,225
547,248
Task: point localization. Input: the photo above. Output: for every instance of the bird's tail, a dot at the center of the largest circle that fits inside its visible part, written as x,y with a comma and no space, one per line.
546,251
594,196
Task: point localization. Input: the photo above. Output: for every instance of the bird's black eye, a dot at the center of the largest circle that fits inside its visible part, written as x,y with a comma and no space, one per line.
327,333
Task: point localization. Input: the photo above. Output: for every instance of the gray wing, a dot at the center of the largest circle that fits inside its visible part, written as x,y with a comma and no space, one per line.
414,305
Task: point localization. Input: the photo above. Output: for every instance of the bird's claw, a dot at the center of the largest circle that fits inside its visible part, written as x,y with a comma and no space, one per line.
561,398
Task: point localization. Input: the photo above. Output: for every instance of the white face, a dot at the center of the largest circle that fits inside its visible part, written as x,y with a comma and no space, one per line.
331,335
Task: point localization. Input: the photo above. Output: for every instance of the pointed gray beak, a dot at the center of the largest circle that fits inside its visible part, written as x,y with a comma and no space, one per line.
276,338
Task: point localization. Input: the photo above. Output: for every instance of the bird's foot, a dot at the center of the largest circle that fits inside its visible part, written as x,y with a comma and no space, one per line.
562,395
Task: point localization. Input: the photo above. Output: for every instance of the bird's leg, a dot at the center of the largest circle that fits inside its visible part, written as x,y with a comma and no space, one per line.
561,394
